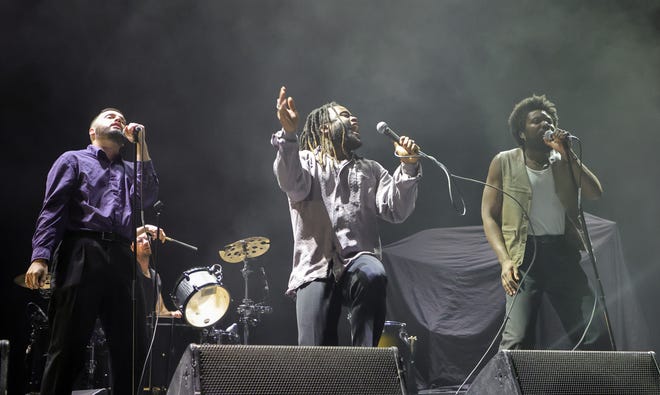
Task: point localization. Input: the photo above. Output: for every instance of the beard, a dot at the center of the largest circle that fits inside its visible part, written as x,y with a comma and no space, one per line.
343,137
112,134
351,142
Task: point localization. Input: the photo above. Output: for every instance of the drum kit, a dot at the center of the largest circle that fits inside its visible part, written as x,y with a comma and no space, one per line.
200,296
44,290
240,251
198,293
203,301
96,368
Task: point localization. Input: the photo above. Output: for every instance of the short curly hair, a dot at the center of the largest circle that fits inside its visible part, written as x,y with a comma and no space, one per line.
525,106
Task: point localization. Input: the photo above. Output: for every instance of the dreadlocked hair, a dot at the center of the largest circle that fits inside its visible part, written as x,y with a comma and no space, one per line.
312,136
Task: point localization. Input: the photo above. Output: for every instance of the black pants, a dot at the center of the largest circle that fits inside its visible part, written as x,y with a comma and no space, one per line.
362,288
556,273
93,278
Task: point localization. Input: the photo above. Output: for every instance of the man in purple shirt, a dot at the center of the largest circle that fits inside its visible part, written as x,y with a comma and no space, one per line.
336,199
84,233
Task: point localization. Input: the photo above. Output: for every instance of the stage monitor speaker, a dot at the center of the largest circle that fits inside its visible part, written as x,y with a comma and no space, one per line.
241,369
4,365
568,372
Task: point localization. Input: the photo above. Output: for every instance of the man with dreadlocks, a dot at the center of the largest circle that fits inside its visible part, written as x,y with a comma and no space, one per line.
538,235
335,201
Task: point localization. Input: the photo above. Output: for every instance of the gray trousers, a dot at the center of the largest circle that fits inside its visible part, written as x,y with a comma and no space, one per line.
362,288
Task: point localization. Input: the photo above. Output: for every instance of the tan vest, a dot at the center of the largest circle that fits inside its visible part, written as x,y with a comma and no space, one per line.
516,183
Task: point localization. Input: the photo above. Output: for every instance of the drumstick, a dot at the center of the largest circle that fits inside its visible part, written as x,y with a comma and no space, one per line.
181,243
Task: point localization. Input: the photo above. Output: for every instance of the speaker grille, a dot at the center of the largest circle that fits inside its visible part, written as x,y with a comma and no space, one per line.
240,369
585,372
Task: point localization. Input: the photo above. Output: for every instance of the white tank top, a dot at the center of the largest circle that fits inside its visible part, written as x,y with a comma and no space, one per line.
547,214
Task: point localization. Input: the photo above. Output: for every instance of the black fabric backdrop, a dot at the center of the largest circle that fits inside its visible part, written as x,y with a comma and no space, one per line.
444,284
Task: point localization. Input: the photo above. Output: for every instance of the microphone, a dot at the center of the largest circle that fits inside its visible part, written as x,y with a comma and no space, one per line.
136,134
549,135
385,130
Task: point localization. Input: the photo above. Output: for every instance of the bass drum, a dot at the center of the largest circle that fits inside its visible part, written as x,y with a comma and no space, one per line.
200,296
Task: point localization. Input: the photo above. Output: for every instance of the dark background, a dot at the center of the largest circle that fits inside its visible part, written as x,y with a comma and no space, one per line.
203,77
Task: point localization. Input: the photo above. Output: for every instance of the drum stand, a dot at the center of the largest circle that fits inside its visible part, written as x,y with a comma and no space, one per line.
35,353
213,335
250,312
239,251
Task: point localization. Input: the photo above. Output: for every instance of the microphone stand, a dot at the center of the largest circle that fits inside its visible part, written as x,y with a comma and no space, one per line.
156,291
137,219
134,222
588,245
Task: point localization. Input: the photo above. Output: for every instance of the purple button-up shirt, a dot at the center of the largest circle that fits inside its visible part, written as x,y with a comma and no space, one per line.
87,191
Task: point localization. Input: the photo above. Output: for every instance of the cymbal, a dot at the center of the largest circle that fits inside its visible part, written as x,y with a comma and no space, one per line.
251,247
20,280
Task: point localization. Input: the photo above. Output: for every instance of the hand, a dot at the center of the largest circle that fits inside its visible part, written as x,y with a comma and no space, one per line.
286,112
130,132
510,277
151,230
36,274
406,147
559,141
176,314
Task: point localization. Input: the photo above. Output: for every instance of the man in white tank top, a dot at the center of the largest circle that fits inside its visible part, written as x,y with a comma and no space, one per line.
542,175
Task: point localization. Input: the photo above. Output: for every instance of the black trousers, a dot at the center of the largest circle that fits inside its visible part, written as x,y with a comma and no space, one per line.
556,273
362,288
93,278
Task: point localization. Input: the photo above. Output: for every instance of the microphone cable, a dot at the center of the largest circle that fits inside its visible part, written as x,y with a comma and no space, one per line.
462,211
529,268
520,284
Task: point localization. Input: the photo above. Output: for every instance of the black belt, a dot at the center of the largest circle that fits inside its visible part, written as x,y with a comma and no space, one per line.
547,239
109,237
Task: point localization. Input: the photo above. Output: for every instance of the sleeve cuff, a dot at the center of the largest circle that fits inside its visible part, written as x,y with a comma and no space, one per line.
412,169
41,253
281,137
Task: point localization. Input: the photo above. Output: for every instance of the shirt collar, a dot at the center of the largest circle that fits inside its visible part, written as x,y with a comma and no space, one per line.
100,154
